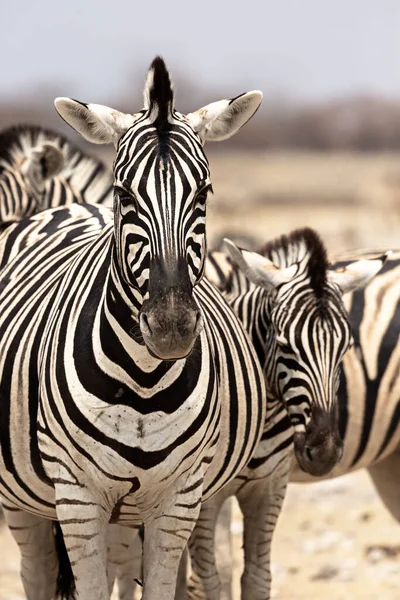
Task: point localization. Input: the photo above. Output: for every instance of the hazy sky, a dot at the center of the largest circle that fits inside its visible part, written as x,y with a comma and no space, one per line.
95,50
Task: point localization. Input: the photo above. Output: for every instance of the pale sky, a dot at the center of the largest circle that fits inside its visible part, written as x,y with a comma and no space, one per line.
96,50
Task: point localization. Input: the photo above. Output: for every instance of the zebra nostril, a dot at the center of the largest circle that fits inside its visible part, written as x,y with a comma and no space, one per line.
145,321
308,453
198,321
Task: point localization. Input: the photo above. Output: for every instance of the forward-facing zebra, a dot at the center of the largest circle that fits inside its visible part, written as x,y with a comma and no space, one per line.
41,169
289,301
129,390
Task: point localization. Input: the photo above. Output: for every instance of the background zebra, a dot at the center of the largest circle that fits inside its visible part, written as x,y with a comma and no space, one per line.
98,314
369,392
41,169
248,300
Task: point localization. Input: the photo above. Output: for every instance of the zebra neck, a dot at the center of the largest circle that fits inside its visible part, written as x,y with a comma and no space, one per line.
117,321
253,309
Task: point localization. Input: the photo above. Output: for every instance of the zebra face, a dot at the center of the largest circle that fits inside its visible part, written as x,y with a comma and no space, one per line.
162,246
309,342
307,332
161,181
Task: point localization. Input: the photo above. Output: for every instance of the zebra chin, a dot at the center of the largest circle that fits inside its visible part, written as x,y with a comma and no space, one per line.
318,459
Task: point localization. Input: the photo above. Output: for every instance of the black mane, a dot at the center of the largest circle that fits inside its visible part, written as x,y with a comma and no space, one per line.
279,250
161,94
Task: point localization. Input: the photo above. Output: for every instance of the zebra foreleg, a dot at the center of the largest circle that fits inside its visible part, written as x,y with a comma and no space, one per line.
165,538
386,478
204,582
260,502
39,563
84,523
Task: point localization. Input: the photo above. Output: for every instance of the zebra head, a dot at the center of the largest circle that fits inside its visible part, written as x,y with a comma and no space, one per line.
306,333
161,179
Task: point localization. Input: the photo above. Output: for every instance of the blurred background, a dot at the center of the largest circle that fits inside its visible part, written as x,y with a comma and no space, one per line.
323,150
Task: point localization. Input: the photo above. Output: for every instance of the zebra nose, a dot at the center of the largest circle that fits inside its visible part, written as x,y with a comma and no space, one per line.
170,334
318,459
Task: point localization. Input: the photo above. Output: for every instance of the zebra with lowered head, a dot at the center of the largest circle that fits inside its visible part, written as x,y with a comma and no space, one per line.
289,299
129,391
41,169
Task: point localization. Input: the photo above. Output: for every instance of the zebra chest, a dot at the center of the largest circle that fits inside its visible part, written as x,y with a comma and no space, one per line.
115,446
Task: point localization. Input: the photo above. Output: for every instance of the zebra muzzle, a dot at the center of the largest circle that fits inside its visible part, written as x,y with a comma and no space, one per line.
318,458
170,335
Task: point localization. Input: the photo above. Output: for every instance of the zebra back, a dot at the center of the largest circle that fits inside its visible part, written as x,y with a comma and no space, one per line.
42,169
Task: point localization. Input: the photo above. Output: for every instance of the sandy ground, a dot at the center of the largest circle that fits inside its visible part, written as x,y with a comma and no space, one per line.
334,541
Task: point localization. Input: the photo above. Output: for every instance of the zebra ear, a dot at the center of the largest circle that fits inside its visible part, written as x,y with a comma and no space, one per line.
259,269
220,120
357,274
96,123
43,162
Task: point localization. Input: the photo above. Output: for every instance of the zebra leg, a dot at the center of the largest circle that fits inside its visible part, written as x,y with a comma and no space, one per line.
386,477
223,540
124,559
39,563
165,539
260,502
204,582
181,582
84,523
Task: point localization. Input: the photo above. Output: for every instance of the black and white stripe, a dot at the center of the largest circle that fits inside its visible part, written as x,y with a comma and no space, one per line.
127,394
41,169
282,308
368,396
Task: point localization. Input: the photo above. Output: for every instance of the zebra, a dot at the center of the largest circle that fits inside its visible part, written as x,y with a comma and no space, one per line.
41,169
129,390
269,295
369,420
269,291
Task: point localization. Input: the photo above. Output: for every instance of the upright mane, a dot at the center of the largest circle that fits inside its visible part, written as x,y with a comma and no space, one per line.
159,94
305,246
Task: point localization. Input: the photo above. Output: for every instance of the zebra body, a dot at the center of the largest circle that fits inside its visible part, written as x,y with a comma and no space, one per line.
133,384
41,169
76,235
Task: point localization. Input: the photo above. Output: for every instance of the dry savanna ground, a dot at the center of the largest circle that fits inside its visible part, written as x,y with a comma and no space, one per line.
334,540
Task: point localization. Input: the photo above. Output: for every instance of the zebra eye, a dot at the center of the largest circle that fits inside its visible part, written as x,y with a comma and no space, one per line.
200,198
127,199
